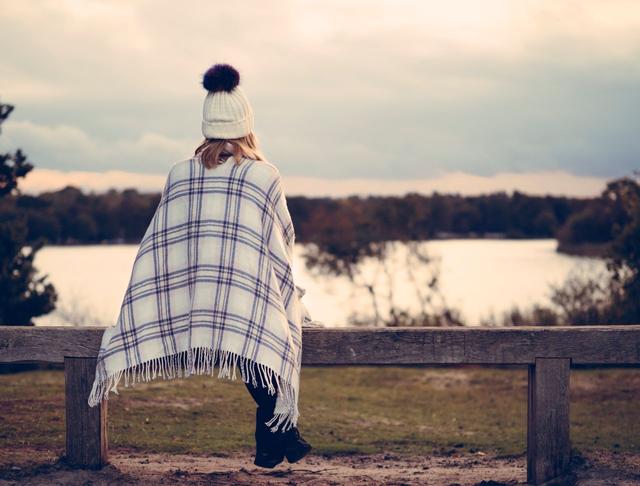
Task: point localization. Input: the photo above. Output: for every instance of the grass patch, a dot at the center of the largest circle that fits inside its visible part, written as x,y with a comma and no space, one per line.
343,411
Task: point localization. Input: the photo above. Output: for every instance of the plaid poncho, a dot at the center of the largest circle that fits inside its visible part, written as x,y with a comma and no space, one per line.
212,284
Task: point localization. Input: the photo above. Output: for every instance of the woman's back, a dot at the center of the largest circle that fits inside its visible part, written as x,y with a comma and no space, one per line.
239,201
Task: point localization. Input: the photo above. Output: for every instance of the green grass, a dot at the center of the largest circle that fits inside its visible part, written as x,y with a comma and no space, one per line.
343,410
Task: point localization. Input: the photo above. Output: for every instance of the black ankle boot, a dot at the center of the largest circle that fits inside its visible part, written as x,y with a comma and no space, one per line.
295,447
269,445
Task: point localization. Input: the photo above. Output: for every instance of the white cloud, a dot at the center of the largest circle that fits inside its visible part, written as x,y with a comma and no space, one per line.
41,180
68,147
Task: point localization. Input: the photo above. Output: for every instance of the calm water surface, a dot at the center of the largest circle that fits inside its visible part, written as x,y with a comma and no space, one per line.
476,276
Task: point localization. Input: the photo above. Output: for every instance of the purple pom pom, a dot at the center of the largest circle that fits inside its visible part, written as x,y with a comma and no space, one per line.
221,77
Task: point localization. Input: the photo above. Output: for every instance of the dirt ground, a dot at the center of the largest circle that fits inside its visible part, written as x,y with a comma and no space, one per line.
130,467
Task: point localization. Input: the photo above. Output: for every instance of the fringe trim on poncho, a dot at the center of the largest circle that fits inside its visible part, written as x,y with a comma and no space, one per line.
202,361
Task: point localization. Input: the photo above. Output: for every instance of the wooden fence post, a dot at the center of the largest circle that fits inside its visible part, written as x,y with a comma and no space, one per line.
86,426
548,442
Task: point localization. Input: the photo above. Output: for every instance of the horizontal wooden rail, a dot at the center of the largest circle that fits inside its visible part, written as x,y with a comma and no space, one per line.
374,346
548,353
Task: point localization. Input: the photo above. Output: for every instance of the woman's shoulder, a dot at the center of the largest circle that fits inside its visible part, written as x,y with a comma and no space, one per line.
262,172
181,168
259,172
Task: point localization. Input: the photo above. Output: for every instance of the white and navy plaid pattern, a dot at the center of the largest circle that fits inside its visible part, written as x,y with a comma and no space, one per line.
212,279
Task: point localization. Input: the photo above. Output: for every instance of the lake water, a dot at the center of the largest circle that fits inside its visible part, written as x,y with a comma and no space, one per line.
476,276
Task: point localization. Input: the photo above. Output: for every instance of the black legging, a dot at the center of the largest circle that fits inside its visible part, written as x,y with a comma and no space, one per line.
266,402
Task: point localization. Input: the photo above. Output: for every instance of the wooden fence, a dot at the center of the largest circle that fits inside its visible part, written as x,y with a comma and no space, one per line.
548,352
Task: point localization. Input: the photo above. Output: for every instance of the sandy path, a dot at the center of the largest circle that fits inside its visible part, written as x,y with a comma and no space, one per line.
133,467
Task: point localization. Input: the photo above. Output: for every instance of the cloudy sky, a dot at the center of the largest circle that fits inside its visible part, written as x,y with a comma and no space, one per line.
350,97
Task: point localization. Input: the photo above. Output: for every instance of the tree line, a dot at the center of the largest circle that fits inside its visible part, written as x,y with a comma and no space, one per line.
71,216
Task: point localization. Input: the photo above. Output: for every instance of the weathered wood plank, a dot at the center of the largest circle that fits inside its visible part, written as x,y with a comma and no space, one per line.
373,346
48,344
548,441
87,444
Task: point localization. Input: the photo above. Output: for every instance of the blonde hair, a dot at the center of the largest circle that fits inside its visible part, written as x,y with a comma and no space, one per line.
211,150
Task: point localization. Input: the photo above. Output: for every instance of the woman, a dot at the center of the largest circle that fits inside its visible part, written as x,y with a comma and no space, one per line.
212,282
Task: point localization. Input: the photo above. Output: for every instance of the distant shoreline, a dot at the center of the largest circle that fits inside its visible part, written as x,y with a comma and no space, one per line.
593,250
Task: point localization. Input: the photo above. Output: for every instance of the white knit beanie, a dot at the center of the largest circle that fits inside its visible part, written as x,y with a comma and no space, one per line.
226,112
